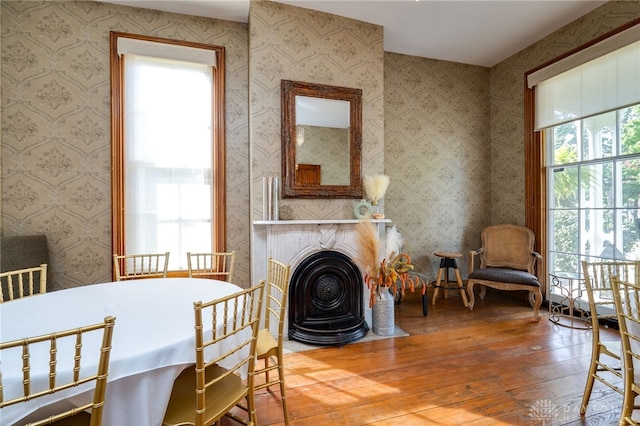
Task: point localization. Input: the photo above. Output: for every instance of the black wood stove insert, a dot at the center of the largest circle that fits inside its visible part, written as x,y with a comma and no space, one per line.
325,300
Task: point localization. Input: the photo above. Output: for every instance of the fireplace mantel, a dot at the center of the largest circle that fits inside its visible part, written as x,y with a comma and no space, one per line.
287,240
313,222
291,241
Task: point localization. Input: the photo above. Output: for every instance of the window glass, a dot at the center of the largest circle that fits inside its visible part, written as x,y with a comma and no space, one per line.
564,140
594,190
630,130
168,110
168,177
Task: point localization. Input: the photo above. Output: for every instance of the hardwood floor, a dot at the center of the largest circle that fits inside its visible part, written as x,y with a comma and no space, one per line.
491,366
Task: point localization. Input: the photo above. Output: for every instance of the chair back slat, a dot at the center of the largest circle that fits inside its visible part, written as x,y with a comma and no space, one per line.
23,282
277,289
79,376
137,266
234,320
218,266
626,296
270,345
598,284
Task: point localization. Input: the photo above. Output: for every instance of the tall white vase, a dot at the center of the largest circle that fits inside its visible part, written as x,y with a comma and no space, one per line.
382,313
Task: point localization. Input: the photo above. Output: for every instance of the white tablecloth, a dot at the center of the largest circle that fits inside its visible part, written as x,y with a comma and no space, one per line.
153,340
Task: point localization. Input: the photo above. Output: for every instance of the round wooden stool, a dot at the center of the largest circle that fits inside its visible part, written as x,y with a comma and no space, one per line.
448,260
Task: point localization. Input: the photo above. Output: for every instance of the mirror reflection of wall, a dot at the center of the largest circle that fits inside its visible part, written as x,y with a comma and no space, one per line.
326,147
322,137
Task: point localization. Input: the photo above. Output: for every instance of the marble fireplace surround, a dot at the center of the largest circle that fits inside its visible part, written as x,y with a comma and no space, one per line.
292,241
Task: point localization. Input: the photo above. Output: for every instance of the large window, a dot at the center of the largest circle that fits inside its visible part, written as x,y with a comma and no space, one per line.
593,172
582,153
168,181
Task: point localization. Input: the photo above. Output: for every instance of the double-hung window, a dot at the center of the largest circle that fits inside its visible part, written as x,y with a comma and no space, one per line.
168,147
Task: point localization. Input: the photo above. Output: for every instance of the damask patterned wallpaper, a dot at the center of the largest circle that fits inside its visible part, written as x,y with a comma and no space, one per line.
437,129
293,43
56,157
454,140
449,135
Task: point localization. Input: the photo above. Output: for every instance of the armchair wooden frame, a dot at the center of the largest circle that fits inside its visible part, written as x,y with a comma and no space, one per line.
270,346
627,300
137,266
507,262
23,282
100,377
206,392
218,266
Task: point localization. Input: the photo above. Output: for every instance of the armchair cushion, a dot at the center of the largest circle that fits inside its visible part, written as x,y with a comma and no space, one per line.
505,275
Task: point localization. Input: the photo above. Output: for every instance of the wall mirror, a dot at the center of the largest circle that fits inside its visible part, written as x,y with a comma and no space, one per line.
321,141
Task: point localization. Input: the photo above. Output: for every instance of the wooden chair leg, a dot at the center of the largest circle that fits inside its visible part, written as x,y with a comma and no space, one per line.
282,394
472,299
463,292
537,297
266,373
436,286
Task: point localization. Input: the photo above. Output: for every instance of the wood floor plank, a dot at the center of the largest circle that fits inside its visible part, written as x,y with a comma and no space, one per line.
494,365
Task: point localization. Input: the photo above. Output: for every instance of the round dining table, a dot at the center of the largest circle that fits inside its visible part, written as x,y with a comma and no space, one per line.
153,341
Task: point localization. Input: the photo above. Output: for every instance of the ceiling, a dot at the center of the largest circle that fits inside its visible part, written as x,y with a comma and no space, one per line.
475,32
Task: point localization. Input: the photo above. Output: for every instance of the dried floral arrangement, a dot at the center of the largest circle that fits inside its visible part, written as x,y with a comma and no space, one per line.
391,272
375,187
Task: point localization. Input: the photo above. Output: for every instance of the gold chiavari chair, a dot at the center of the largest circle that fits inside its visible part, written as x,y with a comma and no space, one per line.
217,266
136,266
627,300
270,346
205,393
56,382
605,365
23,282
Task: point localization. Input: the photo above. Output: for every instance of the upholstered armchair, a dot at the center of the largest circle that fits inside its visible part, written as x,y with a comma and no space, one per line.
507,262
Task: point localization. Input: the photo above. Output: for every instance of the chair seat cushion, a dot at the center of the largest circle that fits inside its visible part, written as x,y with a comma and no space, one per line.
505,275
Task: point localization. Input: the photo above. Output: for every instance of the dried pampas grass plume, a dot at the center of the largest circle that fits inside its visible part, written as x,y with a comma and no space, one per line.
369,247
375,187
394,242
